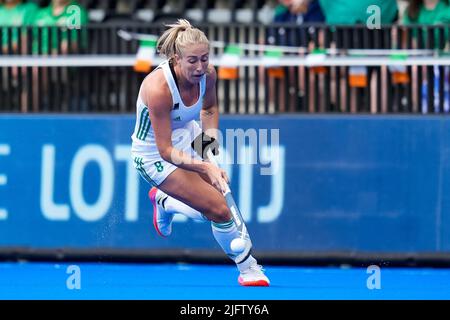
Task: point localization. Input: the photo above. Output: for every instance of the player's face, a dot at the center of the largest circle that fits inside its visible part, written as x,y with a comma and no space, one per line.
194,62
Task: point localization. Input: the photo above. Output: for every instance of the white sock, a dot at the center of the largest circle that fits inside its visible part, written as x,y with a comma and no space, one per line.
250,261
173,206
224,233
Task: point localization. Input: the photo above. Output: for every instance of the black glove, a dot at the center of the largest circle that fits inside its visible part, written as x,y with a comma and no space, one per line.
202,143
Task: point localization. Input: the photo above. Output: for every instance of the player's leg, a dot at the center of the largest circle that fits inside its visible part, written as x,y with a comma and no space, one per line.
155,171
251,274
192,190
189,194
189,188
172,206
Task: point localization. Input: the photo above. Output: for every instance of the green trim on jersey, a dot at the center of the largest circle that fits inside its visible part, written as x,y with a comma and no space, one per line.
144,125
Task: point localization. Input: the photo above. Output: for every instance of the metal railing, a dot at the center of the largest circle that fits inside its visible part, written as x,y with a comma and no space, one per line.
328,87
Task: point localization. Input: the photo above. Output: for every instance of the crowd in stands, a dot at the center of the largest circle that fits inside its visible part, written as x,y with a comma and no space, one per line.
64,20
18,12
73,14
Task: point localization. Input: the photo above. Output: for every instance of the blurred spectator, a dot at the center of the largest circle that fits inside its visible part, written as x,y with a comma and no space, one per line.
401,4
430,12
356,12
373,14
60,31
295,12
427,12
299,11
15,13
61,15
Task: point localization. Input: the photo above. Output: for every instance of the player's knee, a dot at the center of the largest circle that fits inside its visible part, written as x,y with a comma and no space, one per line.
221,213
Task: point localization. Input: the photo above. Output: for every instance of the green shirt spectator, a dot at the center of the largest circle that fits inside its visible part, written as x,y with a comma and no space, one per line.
14,13
440,14
434,13
347,12
67,16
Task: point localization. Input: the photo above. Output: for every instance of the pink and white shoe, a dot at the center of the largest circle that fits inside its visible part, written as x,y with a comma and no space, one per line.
253,277
162,221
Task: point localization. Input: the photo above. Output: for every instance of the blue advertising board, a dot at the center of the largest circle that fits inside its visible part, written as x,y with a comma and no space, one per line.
303,184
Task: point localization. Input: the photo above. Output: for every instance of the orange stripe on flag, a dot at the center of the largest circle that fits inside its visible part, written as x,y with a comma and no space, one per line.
357,77
274,72
358,80
228,73
400,77
143,66
319,69
399,74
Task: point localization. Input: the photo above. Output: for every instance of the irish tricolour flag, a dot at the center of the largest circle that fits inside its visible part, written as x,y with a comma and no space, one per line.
145,56
229,68
273,56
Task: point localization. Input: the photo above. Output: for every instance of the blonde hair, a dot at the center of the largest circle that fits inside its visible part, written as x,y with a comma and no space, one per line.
178,37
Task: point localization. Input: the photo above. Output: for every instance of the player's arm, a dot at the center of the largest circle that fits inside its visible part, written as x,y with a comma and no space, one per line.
159,104
210,111
209,117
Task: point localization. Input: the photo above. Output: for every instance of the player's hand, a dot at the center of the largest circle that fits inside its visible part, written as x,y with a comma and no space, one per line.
225,177
217,176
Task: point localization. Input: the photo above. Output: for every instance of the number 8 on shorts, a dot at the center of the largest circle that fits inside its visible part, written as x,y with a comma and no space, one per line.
159,166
